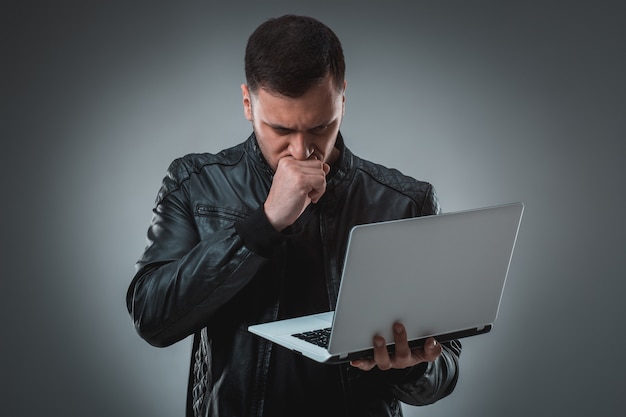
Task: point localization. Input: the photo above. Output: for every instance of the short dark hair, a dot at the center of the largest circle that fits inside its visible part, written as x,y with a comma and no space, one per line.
290,54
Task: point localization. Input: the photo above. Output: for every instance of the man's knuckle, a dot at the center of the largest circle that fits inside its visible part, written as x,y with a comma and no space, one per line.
384,366
402,361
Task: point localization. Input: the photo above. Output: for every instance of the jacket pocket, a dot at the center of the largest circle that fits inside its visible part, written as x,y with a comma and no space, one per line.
212,220
226,213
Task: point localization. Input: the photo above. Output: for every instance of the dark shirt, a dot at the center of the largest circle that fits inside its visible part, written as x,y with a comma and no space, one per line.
298,385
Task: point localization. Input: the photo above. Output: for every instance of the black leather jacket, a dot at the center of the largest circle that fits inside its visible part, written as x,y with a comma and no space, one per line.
209,263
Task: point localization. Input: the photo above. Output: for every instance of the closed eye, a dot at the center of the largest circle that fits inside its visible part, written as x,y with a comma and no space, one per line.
319,129
282,131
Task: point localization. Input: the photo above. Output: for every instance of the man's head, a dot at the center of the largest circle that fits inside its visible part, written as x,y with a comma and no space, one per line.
295,90
289,54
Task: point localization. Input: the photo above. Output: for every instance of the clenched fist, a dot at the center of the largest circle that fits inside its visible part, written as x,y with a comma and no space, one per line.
296,184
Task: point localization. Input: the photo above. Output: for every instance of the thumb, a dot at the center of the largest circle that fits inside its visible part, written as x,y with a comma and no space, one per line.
432,350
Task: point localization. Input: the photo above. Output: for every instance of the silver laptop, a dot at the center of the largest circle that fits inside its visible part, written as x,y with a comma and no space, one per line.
441,276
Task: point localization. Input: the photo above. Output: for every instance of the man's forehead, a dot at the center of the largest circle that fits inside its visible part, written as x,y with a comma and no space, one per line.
297,120
281,107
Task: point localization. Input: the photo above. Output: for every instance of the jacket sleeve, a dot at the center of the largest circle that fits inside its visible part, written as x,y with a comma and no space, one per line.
422,384
183,279
436,381
431,203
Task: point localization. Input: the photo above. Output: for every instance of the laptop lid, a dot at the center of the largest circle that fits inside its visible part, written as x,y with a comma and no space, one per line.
437,275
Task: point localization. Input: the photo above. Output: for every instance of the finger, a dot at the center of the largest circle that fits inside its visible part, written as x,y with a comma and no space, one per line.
432,349
363,364
307,176
318,184
317,192
429,352
308,170
402,357
289,162
381,356
317,163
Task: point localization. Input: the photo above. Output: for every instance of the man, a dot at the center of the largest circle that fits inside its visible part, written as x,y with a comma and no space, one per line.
259,231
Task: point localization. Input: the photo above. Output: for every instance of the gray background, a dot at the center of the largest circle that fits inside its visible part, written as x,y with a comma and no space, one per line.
492,102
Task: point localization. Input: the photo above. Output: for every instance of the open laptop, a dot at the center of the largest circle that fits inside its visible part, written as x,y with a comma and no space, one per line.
441,276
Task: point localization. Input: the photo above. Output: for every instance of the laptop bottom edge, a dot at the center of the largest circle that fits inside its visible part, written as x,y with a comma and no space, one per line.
413,344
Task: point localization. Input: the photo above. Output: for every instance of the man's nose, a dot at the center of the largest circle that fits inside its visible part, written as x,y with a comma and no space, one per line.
300,148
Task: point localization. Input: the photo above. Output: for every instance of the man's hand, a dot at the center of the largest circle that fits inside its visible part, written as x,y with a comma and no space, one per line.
296,184
403,357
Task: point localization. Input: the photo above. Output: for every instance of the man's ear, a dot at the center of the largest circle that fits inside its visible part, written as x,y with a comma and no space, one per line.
247,102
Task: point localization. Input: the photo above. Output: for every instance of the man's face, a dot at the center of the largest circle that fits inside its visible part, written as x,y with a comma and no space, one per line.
305,127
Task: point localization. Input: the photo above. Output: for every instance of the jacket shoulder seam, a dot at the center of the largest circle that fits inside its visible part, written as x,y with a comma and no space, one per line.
182,169
394,179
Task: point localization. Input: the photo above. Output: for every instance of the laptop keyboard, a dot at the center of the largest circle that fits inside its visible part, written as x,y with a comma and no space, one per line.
317,337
